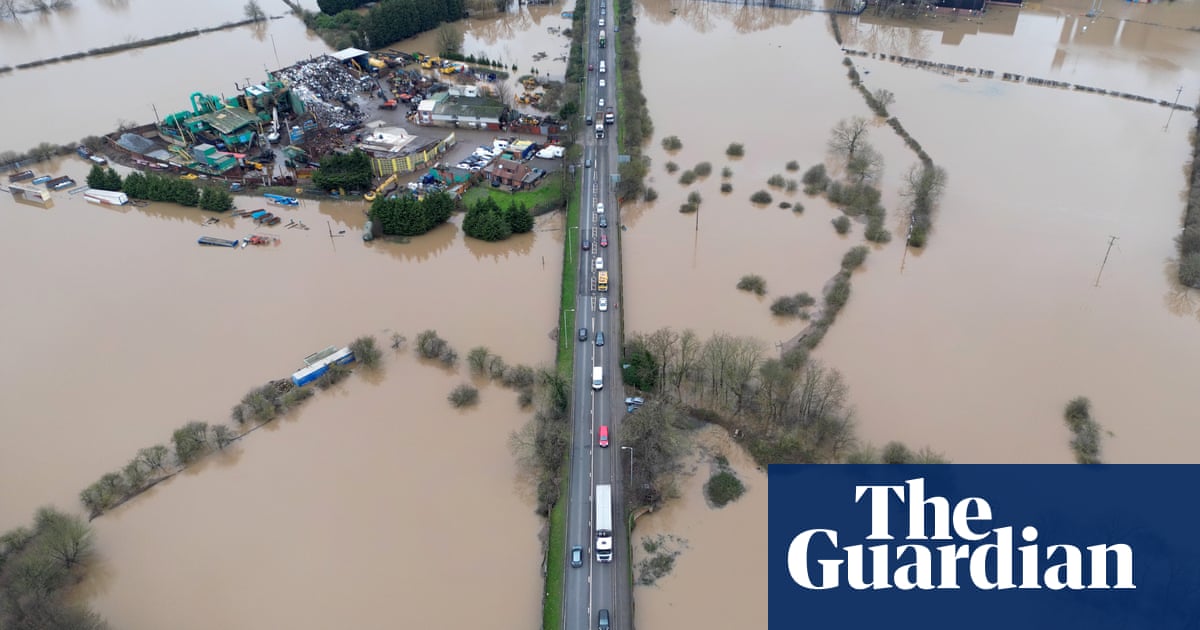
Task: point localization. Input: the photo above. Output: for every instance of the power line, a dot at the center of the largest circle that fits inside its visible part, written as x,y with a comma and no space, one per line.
1111,241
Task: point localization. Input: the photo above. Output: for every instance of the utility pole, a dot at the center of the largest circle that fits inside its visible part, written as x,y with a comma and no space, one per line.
1169,116
1111,241
277,64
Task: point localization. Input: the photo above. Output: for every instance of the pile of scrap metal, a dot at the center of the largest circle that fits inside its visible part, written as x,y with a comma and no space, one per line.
327,88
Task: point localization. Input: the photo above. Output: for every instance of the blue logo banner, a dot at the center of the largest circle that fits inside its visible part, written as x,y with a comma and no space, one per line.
1103,547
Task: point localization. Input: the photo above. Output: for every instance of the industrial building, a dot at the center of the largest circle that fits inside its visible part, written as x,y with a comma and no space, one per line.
394,150
457,107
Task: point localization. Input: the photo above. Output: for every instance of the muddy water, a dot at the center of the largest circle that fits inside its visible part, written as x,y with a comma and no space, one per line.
720,578
794,252
1117,50
64,102
528,36
376,492
973,346
97,23
148,329
1001,357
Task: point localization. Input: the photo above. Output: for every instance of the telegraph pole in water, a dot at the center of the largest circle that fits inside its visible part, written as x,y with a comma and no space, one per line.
1177,93
1111,241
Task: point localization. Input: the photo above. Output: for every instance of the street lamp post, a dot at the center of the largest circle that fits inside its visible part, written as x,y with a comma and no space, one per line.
562,332
630,449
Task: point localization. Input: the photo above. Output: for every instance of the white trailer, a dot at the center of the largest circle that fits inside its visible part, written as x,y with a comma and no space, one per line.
604,527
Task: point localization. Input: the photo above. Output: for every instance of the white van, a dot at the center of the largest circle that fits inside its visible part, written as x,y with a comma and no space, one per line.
599,263
602,70
597,378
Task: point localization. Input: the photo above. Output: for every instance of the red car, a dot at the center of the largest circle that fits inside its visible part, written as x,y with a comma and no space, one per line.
591,67
603,240
604,435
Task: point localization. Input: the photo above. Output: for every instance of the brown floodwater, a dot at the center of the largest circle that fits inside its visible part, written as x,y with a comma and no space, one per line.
128,329
375,492
706,253
974,345
64,102
91,24
720,576
1117,50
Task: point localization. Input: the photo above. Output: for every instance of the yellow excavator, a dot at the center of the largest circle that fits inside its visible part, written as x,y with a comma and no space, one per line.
382,189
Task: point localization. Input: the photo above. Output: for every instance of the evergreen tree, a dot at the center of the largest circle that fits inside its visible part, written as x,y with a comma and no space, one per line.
520,220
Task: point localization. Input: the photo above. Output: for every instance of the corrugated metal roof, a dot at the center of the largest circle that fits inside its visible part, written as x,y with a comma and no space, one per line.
229,120
347,53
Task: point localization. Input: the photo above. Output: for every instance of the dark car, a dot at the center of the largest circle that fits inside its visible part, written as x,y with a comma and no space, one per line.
586,245
588,120
602,620
599,339
583,334
603,221
576,556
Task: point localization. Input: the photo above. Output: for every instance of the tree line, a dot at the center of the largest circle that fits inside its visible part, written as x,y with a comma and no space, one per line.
195,440
350,171
487,221
789,409
152,187
1189,240
408,216
387,22
37,566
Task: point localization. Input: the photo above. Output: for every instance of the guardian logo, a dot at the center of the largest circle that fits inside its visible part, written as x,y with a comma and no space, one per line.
1102,547
967,520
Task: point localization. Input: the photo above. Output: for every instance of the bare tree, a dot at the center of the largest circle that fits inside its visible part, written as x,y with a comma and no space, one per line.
254,11
222,435
884,97
662,346
450,40
503,92
686,360
847,137
8,8
61,4
866,165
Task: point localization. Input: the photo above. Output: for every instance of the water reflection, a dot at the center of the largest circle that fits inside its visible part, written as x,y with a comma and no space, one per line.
519,244
419,248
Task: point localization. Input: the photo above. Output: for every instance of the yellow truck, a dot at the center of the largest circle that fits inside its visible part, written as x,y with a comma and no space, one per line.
602,281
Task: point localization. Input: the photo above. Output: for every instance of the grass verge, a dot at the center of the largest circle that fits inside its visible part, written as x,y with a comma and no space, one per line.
552,606
564,357
540,200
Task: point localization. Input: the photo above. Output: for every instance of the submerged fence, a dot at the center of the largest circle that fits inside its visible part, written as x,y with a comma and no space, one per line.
853,7
983,73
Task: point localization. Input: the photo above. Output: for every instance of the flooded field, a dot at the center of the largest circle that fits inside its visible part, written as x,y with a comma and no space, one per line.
1121,49
973,346
376,492
147,330
91,24
706,253
64,102
720,578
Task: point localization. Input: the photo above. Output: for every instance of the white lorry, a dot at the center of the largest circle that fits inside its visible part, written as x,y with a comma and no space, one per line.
604,527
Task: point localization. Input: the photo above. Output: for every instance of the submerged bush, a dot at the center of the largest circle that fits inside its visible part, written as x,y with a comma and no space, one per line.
723,488
735,149
672,143
703,169
687,177
753,283
463,396
761,197
841,224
